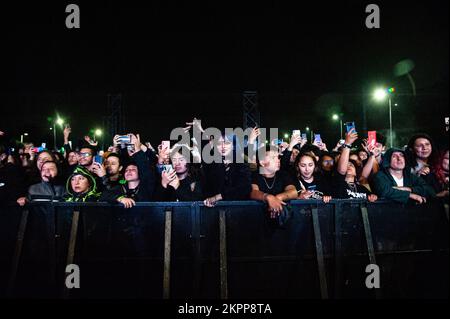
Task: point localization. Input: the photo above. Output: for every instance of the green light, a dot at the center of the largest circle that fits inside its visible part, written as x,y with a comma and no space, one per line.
60,121
307,128
98,132
286,135
391,90
335,117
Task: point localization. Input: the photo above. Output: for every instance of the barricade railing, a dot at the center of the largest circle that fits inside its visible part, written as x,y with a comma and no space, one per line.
233,250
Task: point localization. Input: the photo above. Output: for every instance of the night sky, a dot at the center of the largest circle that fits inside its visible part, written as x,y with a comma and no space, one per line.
172,63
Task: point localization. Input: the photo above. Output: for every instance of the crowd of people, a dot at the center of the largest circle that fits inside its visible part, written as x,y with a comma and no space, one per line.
132,171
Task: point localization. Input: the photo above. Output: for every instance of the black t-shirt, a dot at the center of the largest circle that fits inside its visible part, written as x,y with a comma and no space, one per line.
319,186
343,190
273,186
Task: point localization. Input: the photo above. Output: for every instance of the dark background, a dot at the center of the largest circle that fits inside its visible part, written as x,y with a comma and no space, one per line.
174,62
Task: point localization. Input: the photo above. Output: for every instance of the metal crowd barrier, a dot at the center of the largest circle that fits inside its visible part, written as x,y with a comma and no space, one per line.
187,250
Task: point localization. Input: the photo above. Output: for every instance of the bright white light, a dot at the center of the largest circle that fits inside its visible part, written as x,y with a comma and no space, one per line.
60,121
335,117
98,132
380,94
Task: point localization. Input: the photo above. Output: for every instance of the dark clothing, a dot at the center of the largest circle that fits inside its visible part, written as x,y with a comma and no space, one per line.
384,183
138,194
91,195
286,164
275,185
190,190
343,190
45,190
143,193
12,183
318,186
233,182
432,180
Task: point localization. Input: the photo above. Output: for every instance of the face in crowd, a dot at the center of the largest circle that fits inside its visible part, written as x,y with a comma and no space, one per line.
362,155
306,167
112,166
224,146
422,148
351,170
397,161
327,163
86,157
356,158
271,163
79,183
49,171
378,149
294,155
131,173
179,163
72,158
42,158
445,162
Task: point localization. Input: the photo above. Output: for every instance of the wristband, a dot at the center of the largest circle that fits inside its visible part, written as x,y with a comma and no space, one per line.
347,146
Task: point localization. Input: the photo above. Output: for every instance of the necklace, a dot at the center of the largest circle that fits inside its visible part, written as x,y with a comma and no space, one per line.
273,183
352,187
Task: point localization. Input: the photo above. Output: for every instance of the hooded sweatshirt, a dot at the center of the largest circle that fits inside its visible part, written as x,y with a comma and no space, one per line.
91,195
384,182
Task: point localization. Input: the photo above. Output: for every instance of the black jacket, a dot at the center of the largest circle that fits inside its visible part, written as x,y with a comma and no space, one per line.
233,183
190,190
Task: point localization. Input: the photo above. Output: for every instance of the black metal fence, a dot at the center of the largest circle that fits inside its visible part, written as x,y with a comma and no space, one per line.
187,250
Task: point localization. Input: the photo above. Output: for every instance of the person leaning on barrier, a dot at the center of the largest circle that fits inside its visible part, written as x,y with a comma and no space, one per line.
182,182
423,157
345,181
226,180
272,185
48,189
139,179
308,182
396,181
81,186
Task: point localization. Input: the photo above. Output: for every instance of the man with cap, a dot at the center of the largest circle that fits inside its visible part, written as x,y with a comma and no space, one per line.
397,183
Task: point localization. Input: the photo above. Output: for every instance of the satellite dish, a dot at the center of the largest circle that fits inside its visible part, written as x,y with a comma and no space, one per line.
403,67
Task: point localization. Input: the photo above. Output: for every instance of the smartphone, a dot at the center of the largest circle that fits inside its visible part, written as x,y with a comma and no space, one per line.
349,126
167,168
317,139
304,136
296,132
165,144
124,139
371,138
98,159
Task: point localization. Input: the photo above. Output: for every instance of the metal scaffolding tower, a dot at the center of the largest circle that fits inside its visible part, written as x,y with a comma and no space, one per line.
251,113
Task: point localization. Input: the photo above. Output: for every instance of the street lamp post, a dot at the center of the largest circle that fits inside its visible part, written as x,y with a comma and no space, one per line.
339,117
99,133
391,141
380,95
60,122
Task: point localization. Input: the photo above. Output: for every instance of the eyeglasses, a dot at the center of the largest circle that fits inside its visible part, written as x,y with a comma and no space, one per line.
328,162
85,154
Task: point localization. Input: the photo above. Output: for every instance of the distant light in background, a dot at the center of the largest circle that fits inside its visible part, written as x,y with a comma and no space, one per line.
380,94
